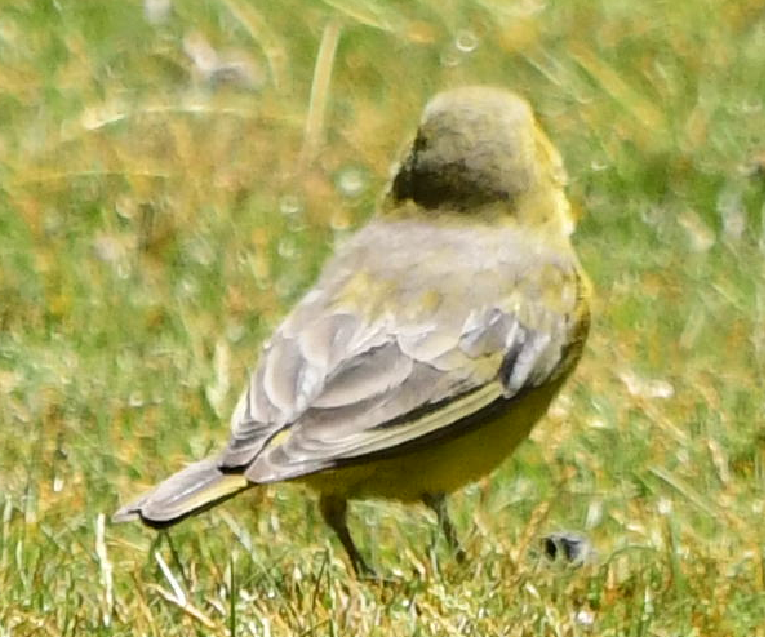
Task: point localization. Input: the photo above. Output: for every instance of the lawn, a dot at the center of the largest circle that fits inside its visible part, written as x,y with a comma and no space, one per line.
172,177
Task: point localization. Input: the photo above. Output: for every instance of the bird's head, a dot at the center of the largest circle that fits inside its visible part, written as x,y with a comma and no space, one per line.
479,150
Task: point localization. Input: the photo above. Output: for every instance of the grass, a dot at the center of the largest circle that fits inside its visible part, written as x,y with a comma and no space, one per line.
159,214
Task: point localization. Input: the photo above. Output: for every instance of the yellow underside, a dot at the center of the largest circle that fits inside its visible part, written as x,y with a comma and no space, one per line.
443,465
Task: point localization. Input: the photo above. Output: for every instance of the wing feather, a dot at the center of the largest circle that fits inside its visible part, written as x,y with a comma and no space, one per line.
363,377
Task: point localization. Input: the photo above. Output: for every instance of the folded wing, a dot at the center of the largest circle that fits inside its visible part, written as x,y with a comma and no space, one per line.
369,364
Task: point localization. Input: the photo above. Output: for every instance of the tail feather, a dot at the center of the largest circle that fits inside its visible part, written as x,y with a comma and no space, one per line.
192,490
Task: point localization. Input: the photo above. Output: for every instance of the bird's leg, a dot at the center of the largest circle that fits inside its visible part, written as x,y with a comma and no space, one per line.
437,503
334,510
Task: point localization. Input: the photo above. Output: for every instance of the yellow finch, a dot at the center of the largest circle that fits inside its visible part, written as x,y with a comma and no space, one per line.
432,341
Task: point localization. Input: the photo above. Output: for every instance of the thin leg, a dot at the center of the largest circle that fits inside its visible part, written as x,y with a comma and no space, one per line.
437,503
334,510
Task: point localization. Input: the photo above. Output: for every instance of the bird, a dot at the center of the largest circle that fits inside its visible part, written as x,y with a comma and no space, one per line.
432,341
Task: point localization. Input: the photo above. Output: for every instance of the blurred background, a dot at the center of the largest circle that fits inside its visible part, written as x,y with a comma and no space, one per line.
172,175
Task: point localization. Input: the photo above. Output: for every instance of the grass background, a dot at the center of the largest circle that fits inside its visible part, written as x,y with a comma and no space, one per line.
171,179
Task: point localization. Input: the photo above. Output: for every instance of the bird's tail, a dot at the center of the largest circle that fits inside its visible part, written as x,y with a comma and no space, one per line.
196,488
